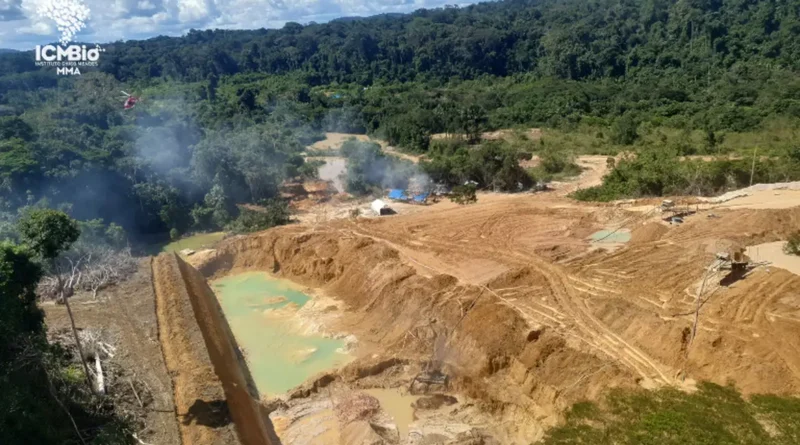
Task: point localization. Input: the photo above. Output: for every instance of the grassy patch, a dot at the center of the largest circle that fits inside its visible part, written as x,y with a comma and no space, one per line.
555,166
73,374
713,415
195,242
582,140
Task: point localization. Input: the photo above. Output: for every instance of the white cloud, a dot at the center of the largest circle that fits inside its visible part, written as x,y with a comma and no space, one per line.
135,19
37,28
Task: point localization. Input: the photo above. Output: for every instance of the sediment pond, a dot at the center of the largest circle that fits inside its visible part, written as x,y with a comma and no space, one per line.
262,312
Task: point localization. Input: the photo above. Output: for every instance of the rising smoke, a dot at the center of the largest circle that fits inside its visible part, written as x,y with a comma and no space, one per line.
370,170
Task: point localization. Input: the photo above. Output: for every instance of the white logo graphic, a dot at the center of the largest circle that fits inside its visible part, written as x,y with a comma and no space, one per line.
70,17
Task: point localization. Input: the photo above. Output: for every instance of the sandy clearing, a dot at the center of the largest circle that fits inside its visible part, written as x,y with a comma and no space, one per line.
334,141
773,252
765,199
621,315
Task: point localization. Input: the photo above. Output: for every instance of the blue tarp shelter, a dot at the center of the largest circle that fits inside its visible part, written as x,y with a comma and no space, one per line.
398,195
422,197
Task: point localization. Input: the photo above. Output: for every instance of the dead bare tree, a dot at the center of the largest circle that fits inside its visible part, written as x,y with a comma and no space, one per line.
90,271
105,267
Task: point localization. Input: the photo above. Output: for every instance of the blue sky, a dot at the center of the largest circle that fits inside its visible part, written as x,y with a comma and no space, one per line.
23,24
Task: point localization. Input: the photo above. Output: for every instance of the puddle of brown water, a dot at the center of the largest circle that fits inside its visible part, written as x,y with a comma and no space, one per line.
398,405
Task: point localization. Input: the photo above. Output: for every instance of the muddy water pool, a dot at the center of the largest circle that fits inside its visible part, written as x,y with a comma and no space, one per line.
262,312
398,405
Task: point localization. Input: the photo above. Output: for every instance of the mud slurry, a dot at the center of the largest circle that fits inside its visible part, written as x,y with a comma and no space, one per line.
262,312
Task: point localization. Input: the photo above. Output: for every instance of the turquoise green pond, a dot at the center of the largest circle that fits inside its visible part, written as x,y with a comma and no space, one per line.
262,313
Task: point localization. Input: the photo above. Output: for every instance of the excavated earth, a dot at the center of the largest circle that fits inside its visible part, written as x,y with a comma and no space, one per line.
525,316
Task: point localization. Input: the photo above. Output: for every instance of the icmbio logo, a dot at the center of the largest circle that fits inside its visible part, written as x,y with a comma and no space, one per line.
70,17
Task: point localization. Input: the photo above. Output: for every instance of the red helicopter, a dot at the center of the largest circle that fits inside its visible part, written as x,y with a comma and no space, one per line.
130,101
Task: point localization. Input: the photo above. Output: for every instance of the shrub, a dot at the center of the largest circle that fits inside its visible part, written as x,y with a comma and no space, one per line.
272,213
625,131
792,246
559,163
464,194
491,165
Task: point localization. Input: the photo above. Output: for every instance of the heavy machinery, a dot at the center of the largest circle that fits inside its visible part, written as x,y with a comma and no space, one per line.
734,259
737,263
673,213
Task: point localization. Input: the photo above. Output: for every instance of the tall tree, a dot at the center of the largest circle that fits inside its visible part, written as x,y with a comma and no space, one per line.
49,233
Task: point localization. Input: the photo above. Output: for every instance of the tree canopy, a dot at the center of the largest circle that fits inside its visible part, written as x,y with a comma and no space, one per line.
226,114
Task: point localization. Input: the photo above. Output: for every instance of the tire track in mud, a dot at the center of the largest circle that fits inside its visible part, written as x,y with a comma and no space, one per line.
572,305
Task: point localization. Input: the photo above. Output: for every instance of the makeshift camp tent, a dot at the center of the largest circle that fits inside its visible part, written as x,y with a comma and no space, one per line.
381,208
421,198
398,195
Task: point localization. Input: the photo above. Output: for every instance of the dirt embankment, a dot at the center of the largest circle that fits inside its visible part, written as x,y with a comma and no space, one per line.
215,398
516,368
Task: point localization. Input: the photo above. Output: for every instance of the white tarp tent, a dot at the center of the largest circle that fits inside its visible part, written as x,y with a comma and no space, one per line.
380,207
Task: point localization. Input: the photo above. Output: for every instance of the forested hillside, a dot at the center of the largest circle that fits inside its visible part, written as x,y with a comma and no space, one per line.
225,114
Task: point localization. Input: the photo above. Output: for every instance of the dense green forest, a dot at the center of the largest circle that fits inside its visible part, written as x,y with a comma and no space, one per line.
225,114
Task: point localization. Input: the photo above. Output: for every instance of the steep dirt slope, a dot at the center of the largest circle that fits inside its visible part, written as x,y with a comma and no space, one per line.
495,354
623,306
214,394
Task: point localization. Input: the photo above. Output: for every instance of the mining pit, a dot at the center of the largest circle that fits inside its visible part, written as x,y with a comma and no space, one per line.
478,324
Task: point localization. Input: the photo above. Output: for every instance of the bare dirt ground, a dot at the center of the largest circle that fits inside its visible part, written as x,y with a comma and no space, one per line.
334,141
766,199
538,317
594,168
509,297
126,316
774,254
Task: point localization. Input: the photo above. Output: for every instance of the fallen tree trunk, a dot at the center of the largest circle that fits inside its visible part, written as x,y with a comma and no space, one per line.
100,380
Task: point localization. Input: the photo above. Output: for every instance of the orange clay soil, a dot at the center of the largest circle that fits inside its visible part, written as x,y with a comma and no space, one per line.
534,319
527,257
